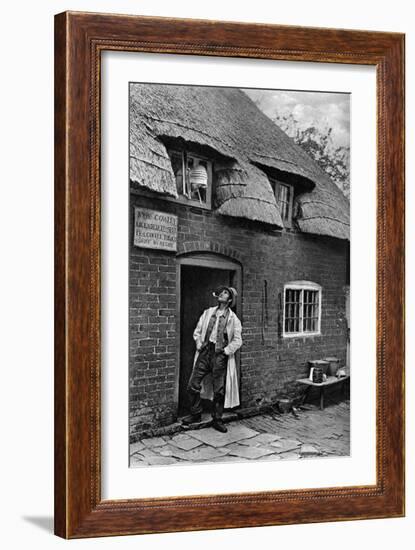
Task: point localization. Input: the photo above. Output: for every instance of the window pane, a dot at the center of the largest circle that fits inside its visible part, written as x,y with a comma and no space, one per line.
284,211
177,166
283,193
310,311
283,200
292,310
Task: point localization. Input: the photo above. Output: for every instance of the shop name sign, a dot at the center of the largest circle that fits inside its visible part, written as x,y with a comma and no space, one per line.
154,229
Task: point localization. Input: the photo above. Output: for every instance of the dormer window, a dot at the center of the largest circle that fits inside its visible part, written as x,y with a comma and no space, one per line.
284,194
193,175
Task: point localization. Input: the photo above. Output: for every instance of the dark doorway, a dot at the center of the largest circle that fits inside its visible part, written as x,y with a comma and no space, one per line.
197,285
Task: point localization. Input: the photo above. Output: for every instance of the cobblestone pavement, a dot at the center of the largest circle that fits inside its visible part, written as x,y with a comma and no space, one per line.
309,433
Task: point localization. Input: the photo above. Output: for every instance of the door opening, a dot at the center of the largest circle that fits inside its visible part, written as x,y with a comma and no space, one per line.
196,287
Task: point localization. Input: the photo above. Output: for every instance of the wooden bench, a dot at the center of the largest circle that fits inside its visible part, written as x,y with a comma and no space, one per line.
323,385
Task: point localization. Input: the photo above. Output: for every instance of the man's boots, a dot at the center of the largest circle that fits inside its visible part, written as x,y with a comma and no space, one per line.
192,419
218,425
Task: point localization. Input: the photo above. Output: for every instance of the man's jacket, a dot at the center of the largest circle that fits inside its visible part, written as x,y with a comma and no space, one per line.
233,330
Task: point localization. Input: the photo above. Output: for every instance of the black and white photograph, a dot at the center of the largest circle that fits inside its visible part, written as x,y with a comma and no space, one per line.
239,285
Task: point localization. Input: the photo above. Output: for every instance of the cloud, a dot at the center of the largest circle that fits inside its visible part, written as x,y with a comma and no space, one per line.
320,109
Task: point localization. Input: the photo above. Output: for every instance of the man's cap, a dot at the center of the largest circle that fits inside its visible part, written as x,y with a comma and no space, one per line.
232,291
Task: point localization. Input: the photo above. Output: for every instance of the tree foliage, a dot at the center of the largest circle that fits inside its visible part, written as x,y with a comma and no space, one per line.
318,143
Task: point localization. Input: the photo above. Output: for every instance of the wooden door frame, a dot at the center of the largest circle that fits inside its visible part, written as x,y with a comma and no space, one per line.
207,260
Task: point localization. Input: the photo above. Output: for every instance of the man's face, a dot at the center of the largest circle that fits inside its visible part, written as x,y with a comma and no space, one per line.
224,297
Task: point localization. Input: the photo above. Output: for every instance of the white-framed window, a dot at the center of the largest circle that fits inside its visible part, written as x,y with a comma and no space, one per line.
301,309
284,195
193,175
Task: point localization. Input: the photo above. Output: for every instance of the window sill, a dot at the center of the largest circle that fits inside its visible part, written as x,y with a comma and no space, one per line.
301,334
190,202
180,200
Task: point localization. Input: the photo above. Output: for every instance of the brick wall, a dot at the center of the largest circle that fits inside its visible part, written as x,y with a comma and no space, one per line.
269,363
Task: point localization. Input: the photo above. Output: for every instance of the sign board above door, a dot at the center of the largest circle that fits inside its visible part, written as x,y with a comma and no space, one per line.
155,229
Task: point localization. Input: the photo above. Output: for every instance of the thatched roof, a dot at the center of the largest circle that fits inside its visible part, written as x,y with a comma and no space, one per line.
228,123
244,191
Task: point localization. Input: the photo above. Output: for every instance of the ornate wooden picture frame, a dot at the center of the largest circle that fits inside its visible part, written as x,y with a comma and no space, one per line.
80,38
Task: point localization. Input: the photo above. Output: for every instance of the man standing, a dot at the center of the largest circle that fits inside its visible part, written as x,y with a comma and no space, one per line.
218,337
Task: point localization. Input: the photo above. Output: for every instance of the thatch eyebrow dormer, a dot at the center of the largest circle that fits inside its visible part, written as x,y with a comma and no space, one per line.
244,191
227,122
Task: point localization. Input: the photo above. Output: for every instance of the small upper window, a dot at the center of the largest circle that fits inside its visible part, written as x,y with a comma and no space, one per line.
302,309
193,175
284,194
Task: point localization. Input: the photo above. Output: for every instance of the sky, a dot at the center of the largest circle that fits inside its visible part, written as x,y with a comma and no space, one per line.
320,109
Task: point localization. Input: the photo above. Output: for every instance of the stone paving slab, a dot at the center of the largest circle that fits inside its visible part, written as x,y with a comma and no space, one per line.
161,461
204,452
169,450
185,442
243,451
309,450
153,442
225,459
137,460
285,445
270,458
145,453
134,447
260,439
291,456
212,437
201,453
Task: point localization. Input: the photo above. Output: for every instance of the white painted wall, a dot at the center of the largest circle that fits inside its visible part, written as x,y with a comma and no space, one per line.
26,299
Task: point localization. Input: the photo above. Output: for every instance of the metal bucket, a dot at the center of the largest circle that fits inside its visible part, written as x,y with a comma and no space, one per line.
334,364
321,364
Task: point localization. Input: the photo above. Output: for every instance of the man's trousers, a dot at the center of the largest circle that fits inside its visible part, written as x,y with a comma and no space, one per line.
211,362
